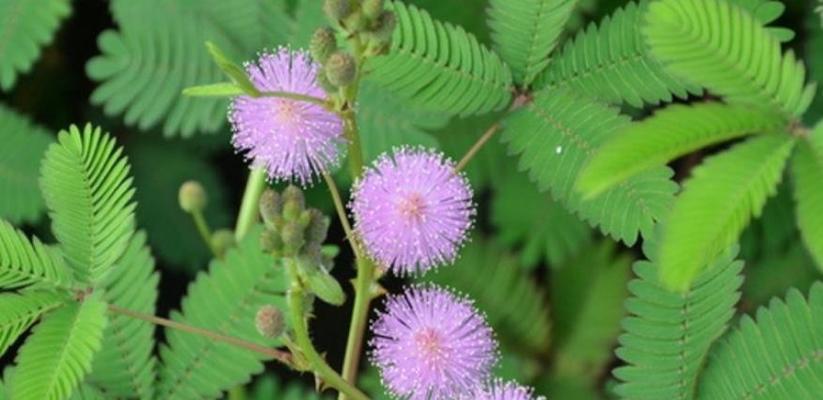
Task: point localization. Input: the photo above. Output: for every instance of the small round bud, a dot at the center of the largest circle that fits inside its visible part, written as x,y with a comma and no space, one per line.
336,10
340,69
384,29
318,227
270,207
269,321
293,203
372,8
292,236
222,240
192,196
324,83
270,241
323,44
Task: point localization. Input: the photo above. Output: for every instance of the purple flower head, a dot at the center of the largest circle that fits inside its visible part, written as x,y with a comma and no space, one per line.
500,390
291,139
432,344
412,210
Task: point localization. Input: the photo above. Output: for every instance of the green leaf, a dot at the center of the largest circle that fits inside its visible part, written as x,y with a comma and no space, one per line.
441,67
235,72
814,59
612,64
85,181
526,31
722,47
224,89
587,295
125,367
23,146
57,356
668,335
25,27
87,392
671,133
556,134
224,300
24,262
515,306
542,229
807,171
20,312
717,203
777,356
271,387
143,67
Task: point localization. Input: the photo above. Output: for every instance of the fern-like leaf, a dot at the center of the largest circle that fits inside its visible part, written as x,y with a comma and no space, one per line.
526,31
125,367
85,181
224,300
671,133
611,63
807,170
721,46
23,146
20,312
441,67
515,306
668,335
57,356
814,58
556,134
26,26
270,387
24,262
717,203
778,356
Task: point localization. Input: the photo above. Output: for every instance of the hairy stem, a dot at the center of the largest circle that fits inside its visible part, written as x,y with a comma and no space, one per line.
279,355
477,146
341,214
204,230
251,198
364,293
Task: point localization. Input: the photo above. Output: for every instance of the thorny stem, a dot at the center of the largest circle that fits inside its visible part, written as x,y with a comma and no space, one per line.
203,229
477,146
279,355
341,214
251,198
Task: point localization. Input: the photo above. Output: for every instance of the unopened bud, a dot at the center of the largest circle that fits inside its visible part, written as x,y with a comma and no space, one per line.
340,69
323,81
270,241
293,203
318,227
384,29
292,236
222,240
192,196
323,44
372,8
270,207
337,10
269,321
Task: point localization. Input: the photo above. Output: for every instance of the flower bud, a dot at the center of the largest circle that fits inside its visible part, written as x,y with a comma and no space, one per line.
372,8
222,240
318,227
192,196
269,321
340,69
323,81
270,241
270,207
384,28
293,203
292,236
323,44
337,10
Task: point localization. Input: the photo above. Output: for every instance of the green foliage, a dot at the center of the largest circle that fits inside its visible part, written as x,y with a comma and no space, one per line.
23,146
144,67
542,228
58,354
87,392
776,356
85,182
20,312
224,300
556,134
25,27
526,31
611,63
487,167
269,387
668,335
441,67
717,203
814,59
710,43
24,262
807,170
125,367
776,273
587,295
671,133
515,306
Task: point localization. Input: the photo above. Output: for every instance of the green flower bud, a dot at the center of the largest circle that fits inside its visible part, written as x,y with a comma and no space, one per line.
293,203
270,208
384,28
372,8
222,240
270,241
292,236
324,83
318,227
340,69
337,10
323,44
269,321
192,196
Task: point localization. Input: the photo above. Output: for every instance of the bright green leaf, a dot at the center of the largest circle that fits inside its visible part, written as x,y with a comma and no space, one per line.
20,312
24,262
807,170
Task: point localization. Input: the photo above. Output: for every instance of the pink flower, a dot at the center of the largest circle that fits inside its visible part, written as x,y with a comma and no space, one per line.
432,344
500,390
293,140
412,210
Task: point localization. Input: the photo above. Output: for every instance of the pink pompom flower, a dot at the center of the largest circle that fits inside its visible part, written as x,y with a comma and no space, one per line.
412,210
293,140
500,390
432,344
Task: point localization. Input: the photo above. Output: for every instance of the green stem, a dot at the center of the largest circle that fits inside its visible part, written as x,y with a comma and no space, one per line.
364,293
355,149
251,197
204,230
477,146
341,214
301,337
295,96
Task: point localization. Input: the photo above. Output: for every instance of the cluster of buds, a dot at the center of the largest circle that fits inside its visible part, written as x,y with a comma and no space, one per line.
297,233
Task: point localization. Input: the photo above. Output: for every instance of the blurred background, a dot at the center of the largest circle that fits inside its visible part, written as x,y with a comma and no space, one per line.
553,290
